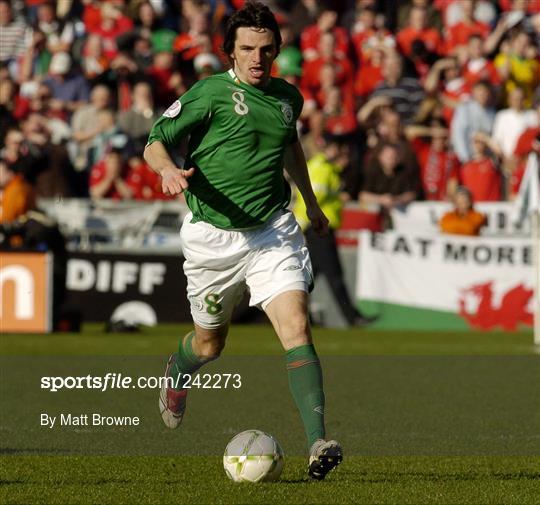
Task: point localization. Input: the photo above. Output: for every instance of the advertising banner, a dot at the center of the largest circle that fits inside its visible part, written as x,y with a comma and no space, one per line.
100,284
445,281
25,292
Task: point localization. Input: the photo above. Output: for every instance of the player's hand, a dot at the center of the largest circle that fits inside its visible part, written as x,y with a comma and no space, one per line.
174,181
318,220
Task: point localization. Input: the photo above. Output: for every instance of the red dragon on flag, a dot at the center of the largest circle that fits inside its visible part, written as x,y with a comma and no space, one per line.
509,314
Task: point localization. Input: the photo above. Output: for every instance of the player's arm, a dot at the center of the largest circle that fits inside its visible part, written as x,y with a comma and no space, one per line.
176,123
174,180
295,164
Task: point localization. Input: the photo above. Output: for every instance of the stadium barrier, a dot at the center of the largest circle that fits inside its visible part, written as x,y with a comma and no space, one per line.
134,256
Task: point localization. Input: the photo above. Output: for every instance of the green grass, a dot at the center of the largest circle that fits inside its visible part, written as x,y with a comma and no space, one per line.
260,340
425,418
156,480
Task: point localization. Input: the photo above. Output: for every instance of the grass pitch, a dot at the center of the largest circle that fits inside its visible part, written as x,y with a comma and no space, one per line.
423,418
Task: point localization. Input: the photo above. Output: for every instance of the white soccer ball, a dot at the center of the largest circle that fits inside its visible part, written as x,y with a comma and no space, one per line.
253,456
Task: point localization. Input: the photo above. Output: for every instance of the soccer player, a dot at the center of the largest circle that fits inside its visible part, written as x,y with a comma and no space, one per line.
239,235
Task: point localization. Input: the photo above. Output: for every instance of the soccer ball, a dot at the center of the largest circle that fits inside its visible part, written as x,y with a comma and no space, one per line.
253,456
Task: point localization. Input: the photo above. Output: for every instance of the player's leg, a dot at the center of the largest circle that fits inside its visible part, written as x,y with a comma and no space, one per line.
288,314
195,349
279,277
215,283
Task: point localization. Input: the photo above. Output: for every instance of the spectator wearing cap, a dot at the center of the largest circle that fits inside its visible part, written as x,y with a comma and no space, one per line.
69,89
406,93
474,115
288,64
164,77
463,219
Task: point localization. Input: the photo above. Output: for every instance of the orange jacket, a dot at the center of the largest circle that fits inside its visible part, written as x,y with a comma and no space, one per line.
17,199
457,224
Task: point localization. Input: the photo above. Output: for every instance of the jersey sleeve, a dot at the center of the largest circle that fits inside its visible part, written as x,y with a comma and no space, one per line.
183,116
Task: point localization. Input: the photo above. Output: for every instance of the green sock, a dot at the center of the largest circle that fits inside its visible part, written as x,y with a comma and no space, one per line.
306,383
187,361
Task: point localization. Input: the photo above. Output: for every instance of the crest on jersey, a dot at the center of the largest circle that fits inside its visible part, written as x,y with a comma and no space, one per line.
173,110
287,111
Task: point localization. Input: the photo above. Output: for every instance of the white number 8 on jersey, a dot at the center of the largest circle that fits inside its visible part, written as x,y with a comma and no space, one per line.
241,107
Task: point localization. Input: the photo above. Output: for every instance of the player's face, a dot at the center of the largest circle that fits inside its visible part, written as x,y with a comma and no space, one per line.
253,54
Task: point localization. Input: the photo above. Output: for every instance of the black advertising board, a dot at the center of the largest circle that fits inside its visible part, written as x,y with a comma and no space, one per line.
98,283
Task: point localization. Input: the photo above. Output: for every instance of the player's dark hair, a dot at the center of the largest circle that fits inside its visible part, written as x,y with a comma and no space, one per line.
253,14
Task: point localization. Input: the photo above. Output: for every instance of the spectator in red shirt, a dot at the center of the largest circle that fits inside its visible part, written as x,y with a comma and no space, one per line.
481,174
369,74
165,78
311,75
418,30
326,23
145,183
109,23
365,32
528,142
112,178
439,166
459,34
477,67
195,41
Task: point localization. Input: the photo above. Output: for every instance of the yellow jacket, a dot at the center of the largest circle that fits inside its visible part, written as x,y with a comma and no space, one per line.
326,183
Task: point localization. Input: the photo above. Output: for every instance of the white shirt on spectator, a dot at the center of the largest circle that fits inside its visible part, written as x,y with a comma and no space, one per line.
509,125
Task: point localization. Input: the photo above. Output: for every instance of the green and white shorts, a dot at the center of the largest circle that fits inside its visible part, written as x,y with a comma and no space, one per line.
221,264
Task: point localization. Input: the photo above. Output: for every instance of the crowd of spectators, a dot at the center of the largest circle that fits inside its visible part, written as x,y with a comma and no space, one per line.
429,95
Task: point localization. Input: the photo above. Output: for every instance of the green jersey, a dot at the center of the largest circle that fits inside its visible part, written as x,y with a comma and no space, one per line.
238,136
